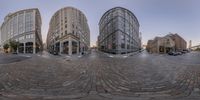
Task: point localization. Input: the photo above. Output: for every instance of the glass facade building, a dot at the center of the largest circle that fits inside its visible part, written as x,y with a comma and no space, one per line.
119,32
23,26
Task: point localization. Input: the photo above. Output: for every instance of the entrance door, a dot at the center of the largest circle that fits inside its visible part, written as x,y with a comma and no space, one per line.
65,47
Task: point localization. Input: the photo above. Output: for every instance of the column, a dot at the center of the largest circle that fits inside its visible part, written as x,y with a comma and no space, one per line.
77,47
61,47
24,47
34,48
17,49
70,46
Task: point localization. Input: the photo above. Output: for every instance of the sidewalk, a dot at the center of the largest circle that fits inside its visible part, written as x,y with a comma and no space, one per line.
71,57
119,55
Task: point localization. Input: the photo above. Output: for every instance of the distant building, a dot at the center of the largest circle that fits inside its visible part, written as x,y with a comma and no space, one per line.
68,32
180,43
190,44
170,42
23,26
119,32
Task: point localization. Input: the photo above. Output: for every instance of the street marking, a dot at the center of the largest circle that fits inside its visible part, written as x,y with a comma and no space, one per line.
125,56
110,56
25,56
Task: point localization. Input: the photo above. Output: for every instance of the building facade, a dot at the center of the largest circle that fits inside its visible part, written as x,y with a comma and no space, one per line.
160,45
119,32
23,26
68,32
168,43
180,43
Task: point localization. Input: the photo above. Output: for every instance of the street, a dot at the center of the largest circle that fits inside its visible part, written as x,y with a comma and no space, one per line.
97,76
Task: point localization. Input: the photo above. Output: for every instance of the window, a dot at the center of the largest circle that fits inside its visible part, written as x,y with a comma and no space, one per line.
21,38
65,31
27,36
114,46
123,45
28,21
32,36
123,36
15,26
128,46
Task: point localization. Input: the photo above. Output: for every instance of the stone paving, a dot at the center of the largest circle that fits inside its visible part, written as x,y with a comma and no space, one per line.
97,76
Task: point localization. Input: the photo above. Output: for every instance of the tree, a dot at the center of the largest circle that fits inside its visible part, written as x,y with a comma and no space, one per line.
5,47
14,45
198,49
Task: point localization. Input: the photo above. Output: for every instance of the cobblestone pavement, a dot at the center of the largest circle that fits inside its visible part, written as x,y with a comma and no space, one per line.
11,58
96,76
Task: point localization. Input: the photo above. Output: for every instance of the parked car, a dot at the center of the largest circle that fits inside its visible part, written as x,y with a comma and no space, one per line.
173,53
186,50
55,53
179,53
183,52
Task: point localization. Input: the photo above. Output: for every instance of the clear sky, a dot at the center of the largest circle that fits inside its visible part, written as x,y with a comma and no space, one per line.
156,17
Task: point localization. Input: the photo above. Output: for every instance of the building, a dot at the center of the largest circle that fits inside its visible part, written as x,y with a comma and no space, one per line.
68,32
190,44
180,43
23,26
160,45
119,32
0,40
170,42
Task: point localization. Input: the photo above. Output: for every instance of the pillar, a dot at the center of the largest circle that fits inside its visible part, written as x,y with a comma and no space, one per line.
77,47
17,49
70,46
34,48
61,47
24,47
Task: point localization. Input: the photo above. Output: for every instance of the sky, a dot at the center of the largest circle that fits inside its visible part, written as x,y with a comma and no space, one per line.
156,17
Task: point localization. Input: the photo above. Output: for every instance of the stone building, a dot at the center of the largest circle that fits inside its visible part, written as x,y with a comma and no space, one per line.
180,43
68,32
170,42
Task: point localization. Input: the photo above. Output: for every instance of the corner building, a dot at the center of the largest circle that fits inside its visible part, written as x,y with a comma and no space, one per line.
68,32
23,26
119,32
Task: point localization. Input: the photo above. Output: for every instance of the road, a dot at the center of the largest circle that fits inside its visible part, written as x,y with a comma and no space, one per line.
10,58
97,76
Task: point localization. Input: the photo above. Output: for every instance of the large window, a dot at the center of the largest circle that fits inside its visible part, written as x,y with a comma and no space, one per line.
8,28
11,27
28,21
15,26
20,23
127,28
29,36
21,38
121,23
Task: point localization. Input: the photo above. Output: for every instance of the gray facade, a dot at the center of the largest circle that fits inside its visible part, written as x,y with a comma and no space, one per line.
119,32
23,26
